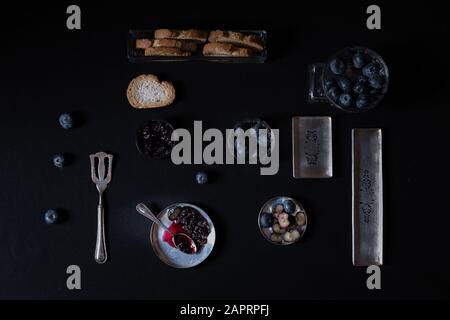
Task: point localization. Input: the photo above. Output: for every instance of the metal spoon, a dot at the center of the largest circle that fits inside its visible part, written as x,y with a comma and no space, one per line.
178,239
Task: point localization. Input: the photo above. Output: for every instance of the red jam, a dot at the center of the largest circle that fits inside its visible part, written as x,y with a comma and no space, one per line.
182,241
175,228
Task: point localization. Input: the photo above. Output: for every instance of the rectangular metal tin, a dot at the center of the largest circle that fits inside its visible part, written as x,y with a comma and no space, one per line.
312,150
367,197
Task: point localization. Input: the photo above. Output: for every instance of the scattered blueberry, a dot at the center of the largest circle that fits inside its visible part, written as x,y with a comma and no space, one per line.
51,216
66,120
358,60
328,83
370,71
345,84
376,82
59,160
266,220
345,100
337,66
289,206
333,93
362,101
201,177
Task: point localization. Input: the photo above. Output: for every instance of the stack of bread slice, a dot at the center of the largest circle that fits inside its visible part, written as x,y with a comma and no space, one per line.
232,44
183,43
168,42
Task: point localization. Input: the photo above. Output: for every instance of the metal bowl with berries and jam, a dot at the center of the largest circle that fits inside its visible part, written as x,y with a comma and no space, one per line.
282,220
186,218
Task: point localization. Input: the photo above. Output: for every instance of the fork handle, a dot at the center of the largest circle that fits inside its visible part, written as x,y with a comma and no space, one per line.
100,246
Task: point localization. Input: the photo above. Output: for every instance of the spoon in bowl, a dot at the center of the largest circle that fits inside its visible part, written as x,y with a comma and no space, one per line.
181,241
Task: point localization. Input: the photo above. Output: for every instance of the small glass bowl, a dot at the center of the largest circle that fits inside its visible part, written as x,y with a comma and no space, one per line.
320,74
267,141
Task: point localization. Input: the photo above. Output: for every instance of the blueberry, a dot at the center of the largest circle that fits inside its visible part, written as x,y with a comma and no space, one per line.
345,100
358,60
370,71
333,93
362,101
66,120
337,66
376,82
289,206
361,79
345,84
328,83
374,92
359,88
51,216
59,160
266,220
201,177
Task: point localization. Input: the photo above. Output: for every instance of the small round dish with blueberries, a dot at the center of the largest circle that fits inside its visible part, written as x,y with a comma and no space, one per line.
355,79
282,220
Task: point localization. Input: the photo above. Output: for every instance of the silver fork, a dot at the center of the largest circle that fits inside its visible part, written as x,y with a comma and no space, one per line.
101,171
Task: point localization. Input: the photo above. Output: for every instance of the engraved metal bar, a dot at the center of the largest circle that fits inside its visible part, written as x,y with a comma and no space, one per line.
367,197
312,150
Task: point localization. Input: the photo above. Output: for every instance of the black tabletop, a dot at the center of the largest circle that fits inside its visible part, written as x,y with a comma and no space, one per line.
47,70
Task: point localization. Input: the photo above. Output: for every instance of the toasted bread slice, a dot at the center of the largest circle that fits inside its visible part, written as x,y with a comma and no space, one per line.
172,43
146,91
191,34
238,39
171,52
225,50
143,43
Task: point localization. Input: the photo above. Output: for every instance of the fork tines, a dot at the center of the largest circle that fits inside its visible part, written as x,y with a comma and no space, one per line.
101,167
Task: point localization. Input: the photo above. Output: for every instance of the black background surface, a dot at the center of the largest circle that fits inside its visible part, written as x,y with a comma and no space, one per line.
47,69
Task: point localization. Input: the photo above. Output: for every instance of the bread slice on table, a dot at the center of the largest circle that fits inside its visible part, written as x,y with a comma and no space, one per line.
143,43
146,91
167,52
191,34
183,45
225,50
238,39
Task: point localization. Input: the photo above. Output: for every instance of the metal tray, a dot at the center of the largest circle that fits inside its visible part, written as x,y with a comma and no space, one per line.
136,55
312,150
367,194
